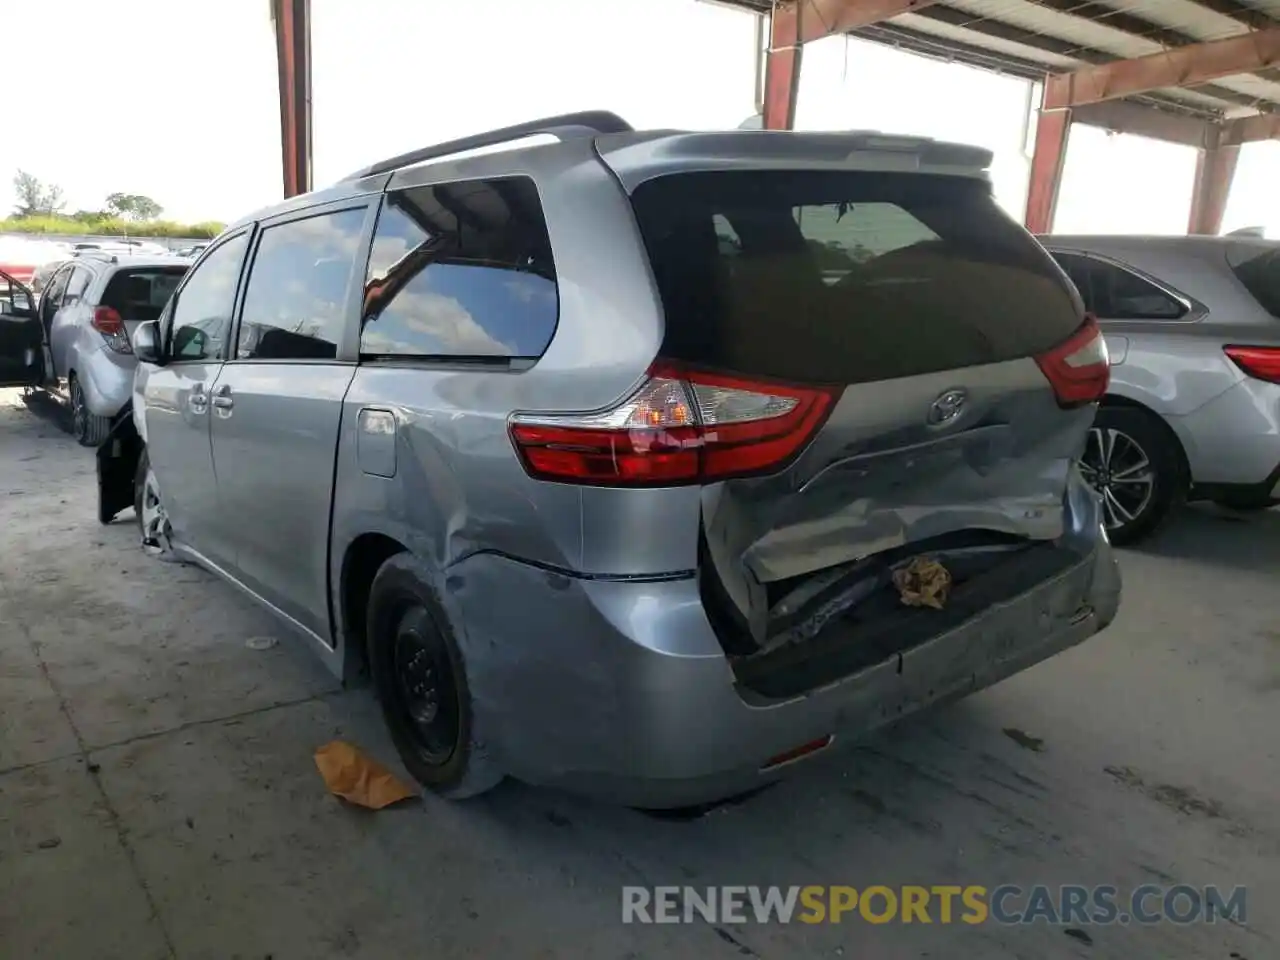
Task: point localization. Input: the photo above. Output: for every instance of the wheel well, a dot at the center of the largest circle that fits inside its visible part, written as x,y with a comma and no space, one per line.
365,556
1111,400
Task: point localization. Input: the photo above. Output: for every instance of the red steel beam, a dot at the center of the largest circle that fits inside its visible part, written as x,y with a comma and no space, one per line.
292,20
822,18
1215,169
1053,129
1181,67
797,22
782,70
1265,126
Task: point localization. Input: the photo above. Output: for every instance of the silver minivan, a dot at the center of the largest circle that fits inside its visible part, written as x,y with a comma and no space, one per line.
645,465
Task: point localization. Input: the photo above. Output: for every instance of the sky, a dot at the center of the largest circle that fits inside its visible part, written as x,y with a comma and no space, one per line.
189,117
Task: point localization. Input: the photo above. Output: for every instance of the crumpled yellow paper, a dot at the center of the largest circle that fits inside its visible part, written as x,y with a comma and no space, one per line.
923,583
349,774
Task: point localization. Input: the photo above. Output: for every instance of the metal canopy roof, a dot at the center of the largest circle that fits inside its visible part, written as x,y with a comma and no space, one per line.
1035,38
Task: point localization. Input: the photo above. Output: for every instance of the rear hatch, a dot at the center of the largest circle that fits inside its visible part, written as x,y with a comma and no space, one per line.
952,359
138,294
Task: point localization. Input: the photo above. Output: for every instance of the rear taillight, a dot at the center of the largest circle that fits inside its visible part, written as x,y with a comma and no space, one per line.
110,324
681,427
1261,363
1079,370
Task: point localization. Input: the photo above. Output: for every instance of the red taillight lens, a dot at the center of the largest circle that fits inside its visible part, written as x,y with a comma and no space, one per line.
1079,370
107,322
682,426
1261,363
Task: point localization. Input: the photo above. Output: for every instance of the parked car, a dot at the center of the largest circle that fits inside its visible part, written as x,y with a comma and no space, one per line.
86,314
604,502
192,251
20,256
1193,411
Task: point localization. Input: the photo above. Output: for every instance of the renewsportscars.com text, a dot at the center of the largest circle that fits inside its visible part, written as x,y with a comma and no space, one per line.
940,903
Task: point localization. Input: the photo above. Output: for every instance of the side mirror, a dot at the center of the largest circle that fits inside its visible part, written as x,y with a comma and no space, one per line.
146,342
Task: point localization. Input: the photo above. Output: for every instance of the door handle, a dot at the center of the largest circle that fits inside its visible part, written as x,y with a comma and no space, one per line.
223,401
198,399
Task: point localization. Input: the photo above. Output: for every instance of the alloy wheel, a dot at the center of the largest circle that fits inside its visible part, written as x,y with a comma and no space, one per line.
425,690
1120,470
152,517
79,411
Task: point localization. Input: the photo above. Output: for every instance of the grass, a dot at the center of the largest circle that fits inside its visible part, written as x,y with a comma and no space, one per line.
111,227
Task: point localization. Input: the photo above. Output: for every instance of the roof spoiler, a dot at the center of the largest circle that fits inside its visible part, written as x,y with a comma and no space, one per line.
1258,232
588,123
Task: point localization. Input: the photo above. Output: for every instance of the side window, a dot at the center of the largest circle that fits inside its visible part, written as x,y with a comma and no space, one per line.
13,298
202,311
460,270
52,298
1114,293
76,286
294,305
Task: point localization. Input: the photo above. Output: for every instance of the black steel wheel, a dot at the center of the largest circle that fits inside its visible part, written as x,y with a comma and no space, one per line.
1132,461
426,689
420,677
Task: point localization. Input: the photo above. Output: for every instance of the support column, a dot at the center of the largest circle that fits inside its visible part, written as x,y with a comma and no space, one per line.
782,68
292,19
1215,169
1053,128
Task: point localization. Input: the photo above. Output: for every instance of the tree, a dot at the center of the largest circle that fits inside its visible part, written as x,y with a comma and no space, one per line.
35,199
132,206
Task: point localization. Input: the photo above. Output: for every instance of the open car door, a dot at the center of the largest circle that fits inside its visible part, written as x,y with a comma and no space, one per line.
21,338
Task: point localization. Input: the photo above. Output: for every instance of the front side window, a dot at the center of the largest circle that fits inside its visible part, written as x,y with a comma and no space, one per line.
77,283
460,271
202,313
294,305
52,298
1113,293
13,296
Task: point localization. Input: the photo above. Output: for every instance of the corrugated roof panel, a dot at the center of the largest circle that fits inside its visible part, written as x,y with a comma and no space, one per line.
1247,83
946,31
1051,23
1184,16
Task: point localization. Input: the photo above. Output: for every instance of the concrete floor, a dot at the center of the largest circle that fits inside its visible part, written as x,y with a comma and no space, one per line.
158,796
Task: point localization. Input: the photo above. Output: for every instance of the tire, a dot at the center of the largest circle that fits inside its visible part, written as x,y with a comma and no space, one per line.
420,679
88,428
1144,478
153,521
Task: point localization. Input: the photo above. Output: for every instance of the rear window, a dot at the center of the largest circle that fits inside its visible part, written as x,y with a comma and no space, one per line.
142,292
1258,268
846,277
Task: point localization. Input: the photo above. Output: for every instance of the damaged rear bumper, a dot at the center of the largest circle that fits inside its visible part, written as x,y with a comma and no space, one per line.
619,688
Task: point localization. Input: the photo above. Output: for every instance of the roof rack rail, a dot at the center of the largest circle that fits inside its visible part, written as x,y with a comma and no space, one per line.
586,123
